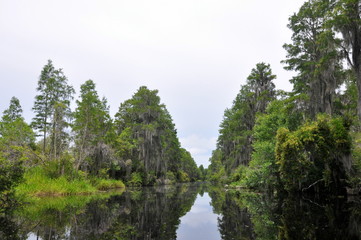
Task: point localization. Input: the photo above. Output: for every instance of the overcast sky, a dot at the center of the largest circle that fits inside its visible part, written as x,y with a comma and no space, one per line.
197,53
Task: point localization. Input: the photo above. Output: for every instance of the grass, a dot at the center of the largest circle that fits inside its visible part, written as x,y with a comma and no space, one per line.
37,183
105,184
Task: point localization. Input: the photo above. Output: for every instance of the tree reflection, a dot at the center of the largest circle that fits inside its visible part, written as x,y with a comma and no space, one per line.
306,219
256,216
144,213
155,212
235,221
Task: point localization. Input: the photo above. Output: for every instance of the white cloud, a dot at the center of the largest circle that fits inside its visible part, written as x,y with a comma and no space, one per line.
200,222
200,147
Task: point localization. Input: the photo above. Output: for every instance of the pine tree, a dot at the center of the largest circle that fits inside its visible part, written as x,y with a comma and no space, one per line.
53,89
14,131
13,112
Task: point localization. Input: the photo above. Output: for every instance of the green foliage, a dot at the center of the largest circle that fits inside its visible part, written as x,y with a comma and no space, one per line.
125,143
11,174
263,170
189,166
183,176
216,168
346,20
53,90
14,131
317,155
146,137
355,177
13,112
61,167
16,143
39,181
136,180
238,175
106,184
203,172
235,134
314,54
171,177
93,131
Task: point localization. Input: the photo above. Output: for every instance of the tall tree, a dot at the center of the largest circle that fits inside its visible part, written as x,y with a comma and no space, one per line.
152,142
142,114
13,112
314,54
91,126
53,89
235,134
14,131
261,85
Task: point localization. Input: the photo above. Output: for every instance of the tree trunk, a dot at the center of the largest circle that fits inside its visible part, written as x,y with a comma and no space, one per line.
357,68
44,137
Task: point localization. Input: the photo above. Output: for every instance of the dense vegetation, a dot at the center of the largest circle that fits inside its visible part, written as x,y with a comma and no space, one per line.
305,140
65,151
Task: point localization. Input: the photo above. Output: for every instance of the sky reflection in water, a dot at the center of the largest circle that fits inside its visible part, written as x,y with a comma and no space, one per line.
200,222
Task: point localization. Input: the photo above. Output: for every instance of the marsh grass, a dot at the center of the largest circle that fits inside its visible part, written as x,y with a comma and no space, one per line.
38,183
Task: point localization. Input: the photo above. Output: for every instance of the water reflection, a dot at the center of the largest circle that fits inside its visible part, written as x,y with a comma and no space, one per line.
256,216
183,212
147,213
200,222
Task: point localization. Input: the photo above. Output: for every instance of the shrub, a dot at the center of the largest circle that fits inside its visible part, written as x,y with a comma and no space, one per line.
315,157
136,179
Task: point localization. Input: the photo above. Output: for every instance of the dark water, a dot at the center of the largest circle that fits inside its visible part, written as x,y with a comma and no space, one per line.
197,211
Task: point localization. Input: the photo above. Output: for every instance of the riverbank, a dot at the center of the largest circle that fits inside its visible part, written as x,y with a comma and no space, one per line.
38,183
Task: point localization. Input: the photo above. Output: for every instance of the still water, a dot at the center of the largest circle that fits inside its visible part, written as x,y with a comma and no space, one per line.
196,211
200,222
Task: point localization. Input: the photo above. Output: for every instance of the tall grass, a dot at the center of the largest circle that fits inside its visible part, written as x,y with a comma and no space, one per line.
38,183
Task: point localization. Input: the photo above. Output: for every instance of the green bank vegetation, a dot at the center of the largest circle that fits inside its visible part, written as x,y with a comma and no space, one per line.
37,182
64,151
306,140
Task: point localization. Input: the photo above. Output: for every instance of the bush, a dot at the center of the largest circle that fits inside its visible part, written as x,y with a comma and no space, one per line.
105,184
183,176
136,180
11,174
315,157
171,177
